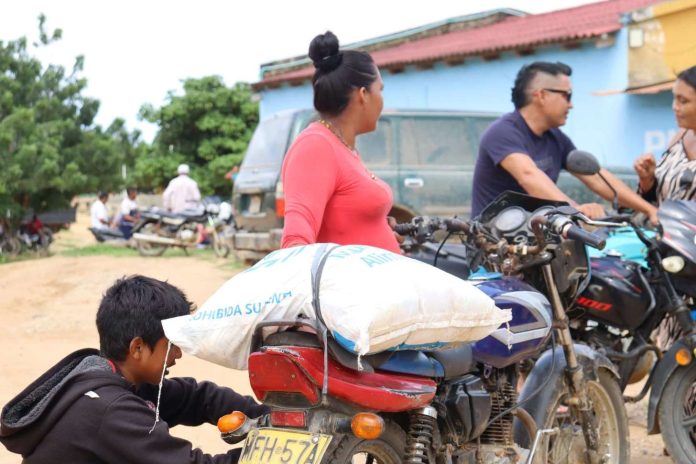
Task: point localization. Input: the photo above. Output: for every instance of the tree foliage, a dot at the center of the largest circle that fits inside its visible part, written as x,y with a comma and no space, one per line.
50,149
208,127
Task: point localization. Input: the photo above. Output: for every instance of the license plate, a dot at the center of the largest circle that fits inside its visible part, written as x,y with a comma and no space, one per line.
255,204
280,446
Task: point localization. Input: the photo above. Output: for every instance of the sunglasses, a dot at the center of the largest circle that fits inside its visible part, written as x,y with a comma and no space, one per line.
567,94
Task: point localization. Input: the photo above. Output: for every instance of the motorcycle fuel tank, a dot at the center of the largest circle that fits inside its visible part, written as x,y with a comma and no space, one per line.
527,332
617,295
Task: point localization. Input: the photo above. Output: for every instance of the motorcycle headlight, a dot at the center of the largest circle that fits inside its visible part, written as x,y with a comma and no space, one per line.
673,264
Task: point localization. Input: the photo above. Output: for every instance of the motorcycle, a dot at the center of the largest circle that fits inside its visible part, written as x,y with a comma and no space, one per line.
452,406
629,296
110,234
157,230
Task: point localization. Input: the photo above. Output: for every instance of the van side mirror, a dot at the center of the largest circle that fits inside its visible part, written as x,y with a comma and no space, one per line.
686,179
582,162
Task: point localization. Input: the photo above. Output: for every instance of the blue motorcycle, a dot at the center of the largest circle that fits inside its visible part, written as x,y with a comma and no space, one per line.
461,405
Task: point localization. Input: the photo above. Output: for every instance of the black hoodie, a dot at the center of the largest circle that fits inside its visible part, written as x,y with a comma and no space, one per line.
81,411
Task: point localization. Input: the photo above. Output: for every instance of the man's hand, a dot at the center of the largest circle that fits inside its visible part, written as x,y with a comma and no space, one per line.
592,210
645,168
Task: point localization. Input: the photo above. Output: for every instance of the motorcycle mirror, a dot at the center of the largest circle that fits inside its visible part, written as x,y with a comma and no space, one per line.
582,162
686,179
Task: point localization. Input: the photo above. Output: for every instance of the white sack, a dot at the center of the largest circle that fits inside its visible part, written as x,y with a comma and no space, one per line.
371,300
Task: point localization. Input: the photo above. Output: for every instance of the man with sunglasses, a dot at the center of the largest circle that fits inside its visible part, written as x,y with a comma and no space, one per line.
525,150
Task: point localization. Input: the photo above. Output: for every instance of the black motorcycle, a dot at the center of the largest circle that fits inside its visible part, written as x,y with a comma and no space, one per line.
157,230
620,310
538,242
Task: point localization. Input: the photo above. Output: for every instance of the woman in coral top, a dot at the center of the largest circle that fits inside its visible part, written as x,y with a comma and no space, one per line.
330,196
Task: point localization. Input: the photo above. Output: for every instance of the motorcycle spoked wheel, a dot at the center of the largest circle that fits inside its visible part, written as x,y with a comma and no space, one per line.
677,413
221,248
568,446
10,246
146,248
387,449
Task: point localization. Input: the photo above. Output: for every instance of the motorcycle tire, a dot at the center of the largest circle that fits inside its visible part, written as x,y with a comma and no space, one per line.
10,246
387,449
677,406
146,248
221,248
568,446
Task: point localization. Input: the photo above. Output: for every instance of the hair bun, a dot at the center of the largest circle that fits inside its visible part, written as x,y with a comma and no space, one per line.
323,51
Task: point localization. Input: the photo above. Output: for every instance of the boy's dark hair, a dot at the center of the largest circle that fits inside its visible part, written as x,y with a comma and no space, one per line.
528,72
689,76
130,190
338,73
102,194
133,307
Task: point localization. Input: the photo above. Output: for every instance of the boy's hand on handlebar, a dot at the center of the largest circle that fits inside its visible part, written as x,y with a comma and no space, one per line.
592,210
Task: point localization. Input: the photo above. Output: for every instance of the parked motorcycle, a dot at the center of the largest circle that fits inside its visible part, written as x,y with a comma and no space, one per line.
625,302
36,240
110,234
452,406
157,230
9,243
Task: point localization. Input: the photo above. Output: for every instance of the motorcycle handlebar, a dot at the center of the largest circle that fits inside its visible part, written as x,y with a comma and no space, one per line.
404,229
421,225
588,238
456,225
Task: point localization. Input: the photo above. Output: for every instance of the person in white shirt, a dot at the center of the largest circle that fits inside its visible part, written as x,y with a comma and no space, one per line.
98,212
182,192
128,213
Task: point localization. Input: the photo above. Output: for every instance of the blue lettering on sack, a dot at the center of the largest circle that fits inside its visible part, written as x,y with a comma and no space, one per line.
240,310
345,251
277,257
375,259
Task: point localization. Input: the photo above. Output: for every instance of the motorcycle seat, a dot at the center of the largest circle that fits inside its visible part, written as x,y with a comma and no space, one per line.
437,364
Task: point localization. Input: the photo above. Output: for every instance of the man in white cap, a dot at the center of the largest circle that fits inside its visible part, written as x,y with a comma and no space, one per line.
182,192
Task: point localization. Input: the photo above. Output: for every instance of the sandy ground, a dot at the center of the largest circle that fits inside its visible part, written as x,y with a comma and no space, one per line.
47,309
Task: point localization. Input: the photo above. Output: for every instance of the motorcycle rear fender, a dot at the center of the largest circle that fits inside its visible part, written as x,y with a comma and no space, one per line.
551,376
663,371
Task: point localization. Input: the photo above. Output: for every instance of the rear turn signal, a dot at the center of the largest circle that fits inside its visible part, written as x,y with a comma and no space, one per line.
683,357
367,425
231,422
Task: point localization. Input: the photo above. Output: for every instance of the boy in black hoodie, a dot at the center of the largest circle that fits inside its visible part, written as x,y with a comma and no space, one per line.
103,406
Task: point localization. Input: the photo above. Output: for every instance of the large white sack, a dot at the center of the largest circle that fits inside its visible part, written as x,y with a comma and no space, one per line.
371,300
276,288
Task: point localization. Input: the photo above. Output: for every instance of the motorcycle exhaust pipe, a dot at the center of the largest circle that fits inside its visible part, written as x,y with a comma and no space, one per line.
158,240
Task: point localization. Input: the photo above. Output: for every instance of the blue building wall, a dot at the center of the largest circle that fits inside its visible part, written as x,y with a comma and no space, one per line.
616,128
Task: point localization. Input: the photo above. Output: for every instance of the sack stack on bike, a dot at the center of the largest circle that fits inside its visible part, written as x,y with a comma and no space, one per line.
370,300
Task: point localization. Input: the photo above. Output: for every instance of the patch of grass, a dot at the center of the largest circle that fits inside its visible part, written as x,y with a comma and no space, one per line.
99,249
104,249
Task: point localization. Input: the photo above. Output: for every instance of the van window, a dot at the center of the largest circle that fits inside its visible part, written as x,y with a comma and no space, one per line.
269,142
442,141
375,147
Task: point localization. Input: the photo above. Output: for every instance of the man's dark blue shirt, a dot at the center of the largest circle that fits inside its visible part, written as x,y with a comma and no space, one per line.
511,134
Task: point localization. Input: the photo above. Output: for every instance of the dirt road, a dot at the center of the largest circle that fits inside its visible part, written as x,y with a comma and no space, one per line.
47,309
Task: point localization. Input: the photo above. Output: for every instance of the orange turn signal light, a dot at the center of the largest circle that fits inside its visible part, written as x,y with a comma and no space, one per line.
231,422
683,357
367,425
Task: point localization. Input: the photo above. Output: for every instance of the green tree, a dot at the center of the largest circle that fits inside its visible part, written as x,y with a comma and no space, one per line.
50,149
208,127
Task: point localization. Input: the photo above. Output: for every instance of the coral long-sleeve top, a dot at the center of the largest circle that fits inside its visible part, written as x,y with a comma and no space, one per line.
330,196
